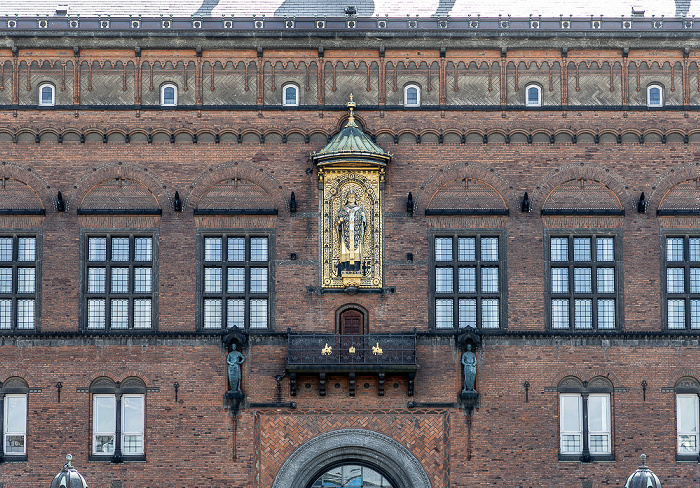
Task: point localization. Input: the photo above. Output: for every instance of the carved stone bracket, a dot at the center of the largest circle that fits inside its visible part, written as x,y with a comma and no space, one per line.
235,336
470,400
233,400
470,336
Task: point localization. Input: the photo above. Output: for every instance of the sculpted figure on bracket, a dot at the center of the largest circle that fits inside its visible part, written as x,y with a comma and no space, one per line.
352,223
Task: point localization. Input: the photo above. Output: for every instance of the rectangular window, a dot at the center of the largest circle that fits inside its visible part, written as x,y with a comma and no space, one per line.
235,282
106,430
682,287
687,421
576,438
119,290
19,282
104,423
467,281
583,282
15,425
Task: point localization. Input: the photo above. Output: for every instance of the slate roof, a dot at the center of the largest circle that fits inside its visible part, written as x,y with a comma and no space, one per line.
365,8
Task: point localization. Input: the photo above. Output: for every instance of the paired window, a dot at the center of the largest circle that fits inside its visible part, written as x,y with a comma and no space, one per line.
168,95
583,283
119,287
13,407
290,95
585,427
687,419
533,96
19,282
655,96
468,281
411,96
47,95
682,277
235,282
118,413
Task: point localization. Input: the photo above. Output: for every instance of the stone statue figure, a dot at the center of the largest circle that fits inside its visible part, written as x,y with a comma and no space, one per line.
234,361
469,363
352,223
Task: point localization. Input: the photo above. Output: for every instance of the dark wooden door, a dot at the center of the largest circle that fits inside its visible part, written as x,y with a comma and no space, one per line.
352,328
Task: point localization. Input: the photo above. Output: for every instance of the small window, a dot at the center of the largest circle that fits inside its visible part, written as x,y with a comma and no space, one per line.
533,94
168,95
47,95
655,96
290,95
411,96
15,425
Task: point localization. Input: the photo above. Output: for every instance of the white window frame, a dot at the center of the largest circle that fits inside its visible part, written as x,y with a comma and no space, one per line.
679,432
140,431
163,87
661,95
563,415
529,103
112,432
121,429
6,428
285,103
405,95
606,430
53,95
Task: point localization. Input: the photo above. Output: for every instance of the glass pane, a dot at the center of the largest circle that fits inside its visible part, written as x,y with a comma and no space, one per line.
168,95
235,315
443,280
489,314
97,249
695,314
571,443
466,249
105,414
599,443
411,96
676,314
606,280
560,280
604,249
258,249
119,318
559,249
606,314
443,249
142,280
443,313
132,444
582,248
533,96
654,96
25,314
104,444
694,249
687,410
467,312
213,249
560,314
97,280
583,314
26,249
467,280
5,280
675,280
142,314
236,249
687,444
143,249
5,314
5,248
236,280
258,314
694,280
212,314
582,280
120,249
598,413
489,248
258,280
290,95
15,414
213,280
132,418
674,249
120,280
489,280
570,413
46,95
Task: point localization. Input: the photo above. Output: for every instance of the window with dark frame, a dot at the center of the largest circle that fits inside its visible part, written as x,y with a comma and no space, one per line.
682,277
19,282
235,281
467,281
119,284
583,275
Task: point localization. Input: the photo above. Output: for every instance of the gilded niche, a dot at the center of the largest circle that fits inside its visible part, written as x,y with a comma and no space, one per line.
351,174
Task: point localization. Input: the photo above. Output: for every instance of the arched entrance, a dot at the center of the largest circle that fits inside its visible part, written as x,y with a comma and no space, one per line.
352,447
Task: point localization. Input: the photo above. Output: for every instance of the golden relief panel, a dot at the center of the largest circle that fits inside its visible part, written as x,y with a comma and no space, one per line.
352,230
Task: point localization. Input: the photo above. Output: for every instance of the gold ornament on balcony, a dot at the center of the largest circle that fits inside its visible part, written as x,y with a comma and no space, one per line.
351,350
326,351
376,350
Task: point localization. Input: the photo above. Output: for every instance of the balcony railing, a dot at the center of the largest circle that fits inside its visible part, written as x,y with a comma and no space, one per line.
352,353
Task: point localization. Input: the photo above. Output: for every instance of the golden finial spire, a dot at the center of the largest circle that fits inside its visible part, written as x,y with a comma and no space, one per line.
351,106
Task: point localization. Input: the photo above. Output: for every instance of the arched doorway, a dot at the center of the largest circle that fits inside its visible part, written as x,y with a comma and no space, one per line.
352,448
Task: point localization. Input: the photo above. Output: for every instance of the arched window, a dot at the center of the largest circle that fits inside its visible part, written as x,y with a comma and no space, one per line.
352,475
411,96
533,96
168,95
47,95
655,96
290,95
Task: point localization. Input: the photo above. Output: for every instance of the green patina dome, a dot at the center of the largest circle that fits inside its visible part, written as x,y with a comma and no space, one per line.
68,477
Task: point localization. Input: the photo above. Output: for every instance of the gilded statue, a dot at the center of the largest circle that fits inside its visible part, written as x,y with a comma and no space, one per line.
234,361
469,365
352,223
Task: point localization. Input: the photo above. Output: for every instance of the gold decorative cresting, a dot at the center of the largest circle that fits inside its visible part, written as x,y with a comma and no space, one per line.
351,350
326,351
376,350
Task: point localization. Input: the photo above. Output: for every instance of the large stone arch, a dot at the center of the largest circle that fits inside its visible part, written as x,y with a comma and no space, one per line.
353,446
34,183
670,190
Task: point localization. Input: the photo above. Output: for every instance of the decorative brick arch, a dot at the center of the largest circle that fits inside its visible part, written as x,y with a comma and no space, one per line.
34,182
245,171
667,182
583,376
460,171
579,171
117,376
130,171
